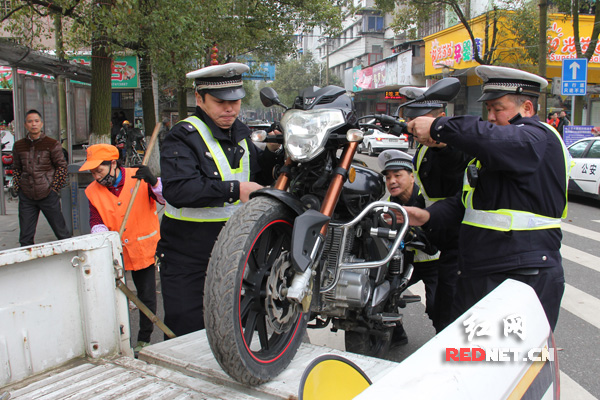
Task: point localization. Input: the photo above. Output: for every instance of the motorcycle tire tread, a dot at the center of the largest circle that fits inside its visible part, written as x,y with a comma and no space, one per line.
221,281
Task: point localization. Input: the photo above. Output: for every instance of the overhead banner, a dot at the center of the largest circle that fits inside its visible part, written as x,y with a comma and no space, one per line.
6,78
124,74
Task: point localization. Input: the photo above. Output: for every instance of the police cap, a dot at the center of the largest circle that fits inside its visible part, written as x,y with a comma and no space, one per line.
419,108
500,81
394,160
222,81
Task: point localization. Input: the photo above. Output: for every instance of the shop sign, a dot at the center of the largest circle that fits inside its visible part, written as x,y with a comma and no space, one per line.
124,74
393,95
379,75
6,81
363,78
561,41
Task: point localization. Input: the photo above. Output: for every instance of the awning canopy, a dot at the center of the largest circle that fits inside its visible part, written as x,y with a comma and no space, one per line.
23,57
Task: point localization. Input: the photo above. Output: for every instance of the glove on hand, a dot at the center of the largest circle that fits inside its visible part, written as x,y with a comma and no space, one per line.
144,173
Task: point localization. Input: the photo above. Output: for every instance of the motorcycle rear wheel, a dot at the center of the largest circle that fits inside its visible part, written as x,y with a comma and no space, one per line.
253,330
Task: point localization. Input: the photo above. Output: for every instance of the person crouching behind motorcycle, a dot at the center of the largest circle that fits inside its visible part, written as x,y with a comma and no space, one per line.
109,196
400,182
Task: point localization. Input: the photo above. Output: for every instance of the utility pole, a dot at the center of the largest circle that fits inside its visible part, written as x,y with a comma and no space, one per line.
327,66
543,4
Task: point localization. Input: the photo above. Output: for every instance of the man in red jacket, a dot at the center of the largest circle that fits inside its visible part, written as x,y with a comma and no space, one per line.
40,171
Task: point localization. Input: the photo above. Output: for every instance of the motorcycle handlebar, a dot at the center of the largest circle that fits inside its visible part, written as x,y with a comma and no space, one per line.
395,126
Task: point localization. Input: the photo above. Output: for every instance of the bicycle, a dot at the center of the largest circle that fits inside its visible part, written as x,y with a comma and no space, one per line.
136,152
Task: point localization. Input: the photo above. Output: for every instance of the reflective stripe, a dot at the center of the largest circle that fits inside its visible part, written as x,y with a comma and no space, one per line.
147,236
241,174
421,256
421,150
512,220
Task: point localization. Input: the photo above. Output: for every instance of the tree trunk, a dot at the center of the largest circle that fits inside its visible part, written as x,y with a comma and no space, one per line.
62,94
100,101
147,94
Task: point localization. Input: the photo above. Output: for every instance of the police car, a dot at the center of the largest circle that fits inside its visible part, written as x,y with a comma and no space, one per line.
585,175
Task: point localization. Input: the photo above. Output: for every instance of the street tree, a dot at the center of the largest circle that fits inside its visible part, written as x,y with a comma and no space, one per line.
294,75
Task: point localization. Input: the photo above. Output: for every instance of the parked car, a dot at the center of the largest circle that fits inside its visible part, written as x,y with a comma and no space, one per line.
585,175
378,141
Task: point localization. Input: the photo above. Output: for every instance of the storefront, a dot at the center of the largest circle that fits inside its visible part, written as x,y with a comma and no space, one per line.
452,50
126,93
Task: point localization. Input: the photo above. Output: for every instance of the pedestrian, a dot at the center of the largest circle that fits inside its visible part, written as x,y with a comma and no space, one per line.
438,171
514,194
121,141
209,165
109,196
554,120
40,171
397,167
562,122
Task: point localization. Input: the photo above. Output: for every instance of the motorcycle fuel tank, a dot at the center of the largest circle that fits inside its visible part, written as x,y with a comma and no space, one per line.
368,186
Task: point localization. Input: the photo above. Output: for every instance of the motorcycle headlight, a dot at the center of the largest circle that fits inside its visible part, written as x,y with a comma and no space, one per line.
305,132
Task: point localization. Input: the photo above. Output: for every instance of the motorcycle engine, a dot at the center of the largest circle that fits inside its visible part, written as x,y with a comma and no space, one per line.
354,286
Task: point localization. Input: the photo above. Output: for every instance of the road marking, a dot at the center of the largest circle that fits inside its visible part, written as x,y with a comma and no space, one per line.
581,304
580,257
587,233
571,390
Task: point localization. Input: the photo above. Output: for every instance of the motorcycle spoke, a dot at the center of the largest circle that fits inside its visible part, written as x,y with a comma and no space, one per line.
262,333
249,327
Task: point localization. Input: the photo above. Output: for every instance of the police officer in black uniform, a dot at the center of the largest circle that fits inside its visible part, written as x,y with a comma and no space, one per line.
514,196
438,170
209,166
397,167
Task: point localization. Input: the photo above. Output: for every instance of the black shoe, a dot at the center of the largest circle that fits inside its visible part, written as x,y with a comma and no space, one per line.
399,337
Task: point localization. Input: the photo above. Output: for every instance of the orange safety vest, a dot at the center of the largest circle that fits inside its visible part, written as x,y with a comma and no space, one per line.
142,230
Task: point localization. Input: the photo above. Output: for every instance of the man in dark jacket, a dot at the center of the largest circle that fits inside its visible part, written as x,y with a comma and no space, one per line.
209,166
514,196
40,171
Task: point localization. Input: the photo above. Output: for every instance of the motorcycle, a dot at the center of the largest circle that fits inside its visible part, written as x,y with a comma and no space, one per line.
317,246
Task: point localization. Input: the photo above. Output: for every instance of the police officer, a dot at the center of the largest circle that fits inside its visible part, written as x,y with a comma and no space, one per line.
209,165
397,167
438,170
514,193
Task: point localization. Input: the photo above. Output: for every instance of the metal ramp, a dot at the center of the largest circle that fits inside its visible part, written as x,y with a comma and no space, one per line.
180,368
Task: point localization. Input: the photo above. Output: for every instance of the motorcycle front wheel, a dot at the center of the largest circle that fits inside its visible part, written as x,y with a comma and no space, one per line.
253,330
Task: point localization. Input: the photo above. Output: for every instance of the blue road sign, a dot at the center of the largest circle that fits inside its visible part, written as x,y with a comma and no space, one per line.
574,77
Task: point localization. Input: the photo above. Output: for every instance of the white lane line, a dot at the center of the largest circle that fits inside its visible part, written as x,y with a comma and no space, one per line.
580,257
581,304
596,220
569,389
587,233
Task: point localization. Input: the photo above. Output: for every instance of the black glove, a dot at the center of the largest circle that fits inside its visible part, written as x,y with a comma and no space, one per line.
144,173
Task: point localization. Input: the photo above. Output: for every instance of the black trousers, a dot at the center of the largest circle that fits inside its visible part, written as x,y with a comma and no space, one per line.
428,273
445,290
182,287
549,285
145,285
29,212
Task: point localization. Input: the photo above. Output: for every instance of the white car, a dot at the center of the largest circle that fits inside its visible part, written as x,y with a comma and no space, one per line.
378,141
585,175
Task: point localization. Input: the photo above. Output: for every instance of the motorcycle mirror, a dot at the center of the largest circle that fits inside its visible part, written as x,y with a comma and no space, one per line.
269,97
443,90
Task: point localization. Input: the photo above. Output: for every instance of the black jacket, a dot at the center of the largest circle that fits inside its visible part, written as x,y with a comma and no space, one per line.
191,179
523,168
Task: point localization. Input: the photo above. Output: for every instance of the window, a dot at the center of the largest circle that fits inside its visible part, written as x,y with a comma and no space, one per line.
594,150
374,57
372,23
577,149
5,6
